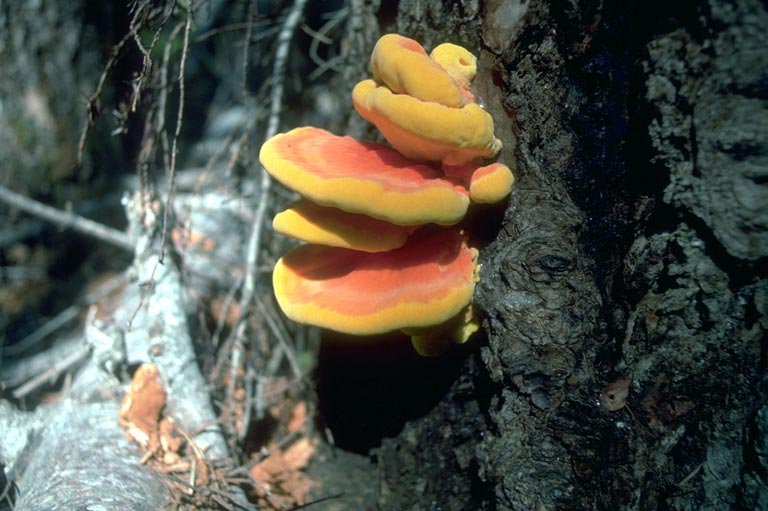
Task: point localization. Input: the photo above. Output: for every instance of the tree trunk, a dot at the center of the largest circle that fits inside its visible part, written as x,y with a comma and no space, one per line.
625,295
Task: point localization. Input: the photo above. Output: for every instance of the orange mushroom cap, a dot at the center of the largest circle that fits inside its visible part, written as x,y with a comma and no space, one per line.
306,221
490,184
426,282
486,184
457,62
358,177
427,131
404,67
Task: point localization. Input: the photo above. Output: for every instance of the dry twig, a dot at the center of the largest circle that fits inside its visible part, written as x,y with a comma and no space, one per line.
320,36
276,101
66,219
254,242
138,19
53,372
179,117
62,318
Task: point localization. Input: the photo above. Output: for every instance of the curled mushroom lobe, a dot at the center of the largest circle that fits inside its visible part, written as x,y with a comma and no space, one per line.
386,244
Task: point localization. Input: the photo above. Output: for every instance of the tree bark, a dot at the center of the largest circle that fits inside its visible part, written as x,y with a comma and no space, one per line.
82,459
625,293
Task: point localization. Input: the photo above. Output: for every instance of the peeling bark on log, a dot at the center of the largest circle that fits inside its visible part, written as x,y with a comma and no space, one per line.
84,461
632,252
171,349
73,454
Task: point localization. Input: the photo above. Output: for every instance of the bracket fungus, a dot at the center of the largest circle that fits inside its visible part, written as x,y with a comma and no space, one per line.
422,105
424,130
403,66
386,246
358,177
490,184
426,282
457,62
306,221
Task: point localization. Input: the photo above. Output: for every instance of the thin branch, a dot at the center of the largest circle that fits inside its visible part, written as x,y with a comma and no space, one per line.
179,116
67,219
254,242
93,99
9,493
232,27
250,388
224,313
53,372
276,102
321,36
158,130
317,501
247,45
236,361
146,53
51,326
282,338
65,316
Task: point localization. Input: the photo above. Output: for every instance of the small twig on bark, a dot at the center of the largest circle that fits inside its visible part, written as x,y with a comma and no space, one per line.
66,219
52,373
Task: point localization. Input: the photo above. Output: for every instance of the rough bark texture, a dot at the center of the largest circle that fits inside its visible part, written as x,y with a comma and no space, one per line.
632,250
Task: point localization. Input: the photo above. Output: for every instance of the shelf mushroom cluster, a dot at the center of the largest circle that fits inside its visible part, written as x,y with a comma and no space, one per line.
384,250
